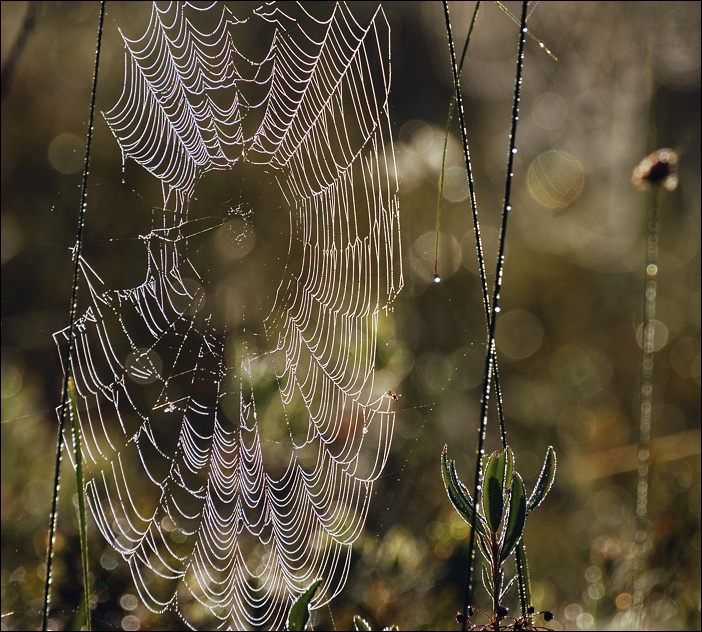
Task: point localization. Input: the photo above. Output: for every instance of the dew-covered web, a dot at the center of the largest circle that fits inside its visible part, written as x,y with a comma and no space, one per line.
233,433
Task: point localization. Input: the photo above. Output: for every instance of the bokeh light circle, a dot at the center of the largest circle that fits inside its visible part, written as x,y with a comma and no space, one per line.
519,334
555,179
66,153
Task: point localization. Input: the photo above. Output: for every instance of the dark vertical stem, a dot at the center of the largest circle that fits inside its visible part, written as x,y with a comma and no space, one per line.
490,367
449,119
490,359
72,316
506,208
496,584
486,299
458,99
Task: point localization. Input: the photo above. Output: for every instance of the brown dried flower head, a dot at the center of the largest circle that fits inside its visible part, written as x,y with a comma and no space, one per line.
658,168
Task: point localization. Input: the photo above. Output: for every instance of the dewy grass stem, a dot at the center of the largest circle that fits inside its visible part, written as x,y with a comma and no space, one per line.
457,101
490,367
491,362
481,264
69,349
449,119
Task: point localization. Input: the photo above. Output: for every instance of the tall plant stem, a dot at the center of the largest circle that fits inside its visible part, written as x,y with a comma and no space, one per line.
647,350
490,360
64,410
447,133
645,401
490,364
458,101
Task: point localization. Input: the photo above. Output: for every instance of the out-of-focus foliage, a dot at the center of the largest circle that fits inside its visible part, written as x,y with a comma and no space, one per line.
566,337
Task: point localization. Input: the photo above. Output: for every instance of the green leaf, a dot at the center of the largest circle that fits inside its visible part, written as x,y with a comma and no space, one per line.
545,480
459,495
516,519
300,612
361,625
494,493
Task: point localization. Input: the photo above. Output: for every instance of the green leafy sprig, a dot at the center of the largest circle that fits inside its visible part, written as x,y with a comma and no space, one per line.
500,517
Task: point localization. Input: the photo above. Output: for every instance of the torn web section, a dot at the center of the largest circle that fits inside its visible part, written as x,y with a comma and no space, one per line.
233,460
144,376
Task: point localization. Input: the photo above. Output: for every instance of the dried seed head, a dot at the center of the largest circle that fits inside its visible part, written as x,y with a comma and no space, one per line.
659,167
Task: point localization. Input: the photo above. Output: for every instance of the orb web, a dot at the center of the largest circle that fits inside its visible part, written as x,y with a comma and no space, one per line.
233,433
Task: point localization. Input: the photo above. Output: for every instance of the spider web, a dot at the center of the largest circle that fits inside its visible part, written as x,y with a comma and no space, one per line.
231,464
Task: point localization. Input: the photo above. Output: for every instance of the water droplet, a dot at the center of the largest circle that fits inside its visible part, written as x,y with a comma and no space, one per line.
651,269
514,150
497,308
437,278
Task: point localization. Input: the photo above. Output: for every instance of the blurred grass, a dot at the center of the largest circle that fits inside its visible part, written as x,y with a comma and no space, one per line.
571,306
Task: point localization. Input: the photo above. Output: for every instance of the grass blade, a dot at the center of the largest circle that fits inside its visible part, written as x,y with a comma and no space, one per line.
80,487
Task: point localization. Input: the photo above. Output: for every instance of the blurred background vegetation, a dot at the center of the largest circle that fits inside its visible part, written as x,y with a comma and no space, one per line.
572,303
